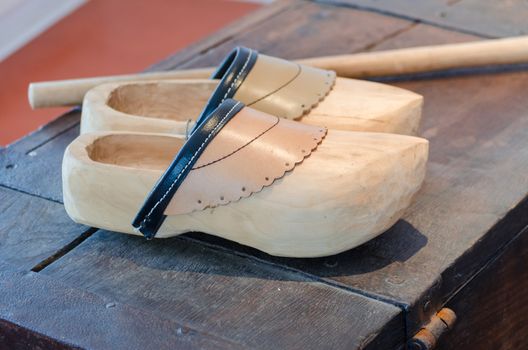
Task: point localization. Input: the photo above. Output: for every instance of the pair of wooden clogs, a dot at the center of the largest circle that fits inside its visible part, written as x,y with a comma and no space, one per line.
284,158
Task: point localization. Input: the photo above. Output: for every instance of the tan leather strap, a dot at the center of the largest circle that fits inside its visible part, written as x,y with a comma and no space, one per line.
269,84
250,152
283,88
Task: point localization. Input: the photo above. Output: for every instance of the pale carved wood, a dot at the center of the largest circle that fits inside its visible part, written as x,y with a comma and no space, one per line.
353,187
172,107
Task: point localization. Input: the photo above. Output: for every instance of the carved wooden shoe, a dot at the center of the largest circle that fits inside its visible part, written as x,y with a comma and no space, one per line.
272,85
283,187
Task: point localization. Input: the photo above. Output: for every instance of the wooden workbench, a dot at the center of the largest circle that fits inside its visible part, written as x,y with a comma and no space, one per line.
462,244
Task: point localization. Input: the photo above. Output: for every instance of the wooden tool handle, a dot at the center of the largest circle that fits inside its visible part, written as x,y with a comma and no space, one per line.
71,92
426,58
361,65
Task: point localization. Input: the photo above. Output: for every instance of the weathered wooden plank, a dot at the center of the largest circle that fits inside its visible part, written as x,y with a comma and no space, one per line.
47,132
464,213
472,203
308,29
38,171
478,115
33,229
493,307
422,34
252,303
37,312
246,23
486,18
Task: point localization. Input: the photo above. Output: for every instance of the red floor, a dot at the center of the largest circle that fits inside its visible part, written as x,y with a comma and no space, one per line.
103,37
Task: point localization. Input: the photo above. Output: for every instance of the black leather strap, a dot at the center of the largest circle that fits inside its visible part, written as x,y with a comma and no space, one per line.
231,72
151,215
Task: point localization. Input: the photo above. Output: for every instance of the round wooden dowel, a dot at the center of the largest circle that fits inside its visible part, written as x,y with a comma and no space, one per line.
361,65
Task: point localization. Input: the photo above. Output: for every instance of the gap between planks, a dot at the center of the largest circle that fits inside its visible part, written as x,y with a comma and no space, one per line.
61,252
314,278
202,47
388,13
29,193
392,35
219,248
19,143
404,307
43,143
64,250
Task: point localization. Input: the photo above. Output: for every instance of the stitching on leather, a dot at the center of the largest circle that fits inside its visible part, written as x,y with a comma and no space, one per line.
299,70
241,147
185,167
301,157
238,75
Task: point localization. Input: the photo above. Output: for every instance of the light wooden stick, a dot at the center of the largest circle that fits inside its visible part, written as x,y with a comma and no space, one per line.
71,92
371,64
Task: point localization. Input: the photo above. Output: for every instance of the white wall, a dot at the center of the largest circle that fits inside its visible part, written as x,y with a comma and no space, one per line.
23,20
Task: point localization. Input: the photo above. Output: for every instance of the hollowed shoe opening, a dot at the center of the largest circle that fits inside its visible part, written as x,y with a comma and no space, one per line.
162,100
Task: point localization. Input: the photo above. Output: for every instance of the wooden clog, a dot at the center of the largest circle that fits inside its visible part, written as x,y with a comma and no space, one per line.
279,87
283,187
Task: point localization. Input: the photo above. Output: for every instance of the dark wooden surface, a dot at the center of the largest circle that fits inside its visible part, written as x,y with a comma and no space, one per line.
481,17
39,312
257,304
465,225
33,229
493,306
